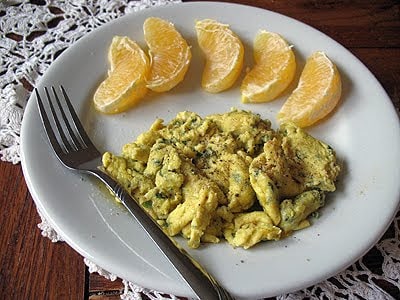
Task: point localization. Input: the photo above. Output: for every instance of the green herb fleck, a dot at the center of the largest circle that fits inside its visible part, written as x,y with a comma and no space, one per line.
237,177
161,195
147,204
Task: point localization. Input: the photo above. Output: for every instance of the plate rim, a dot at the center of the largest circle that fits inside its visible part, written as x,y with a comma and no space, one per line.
146,12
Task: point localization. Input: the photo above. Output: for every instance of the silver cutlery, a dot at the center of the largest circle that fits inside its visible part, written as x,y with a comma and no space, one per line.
74,149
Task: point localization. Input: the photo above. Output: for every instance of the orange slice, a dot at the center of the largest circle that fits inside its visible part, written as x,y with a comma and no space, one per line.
126,81
169,53
224,53
318,92
274,68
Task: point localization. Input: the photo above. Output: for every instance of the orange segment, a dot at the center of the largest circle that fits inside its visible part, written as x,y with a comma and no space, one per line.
169,53
224,53
126,81
115,54
274,68
318,92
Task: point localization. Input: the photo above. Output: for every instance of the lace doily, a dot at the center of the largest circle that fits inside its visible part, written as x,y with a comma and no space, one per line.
34,33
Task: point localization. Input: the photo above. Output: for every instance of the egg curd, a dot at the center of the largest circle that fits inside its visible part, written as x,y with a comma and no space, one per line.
226,176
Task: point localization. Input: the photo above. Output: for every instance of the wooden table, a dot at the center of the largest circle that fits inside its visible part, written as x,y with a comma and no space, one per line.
32,267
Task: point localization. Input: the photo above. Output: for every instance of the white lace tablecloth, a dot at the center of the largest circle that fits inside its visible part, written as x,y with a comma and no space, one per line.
30,34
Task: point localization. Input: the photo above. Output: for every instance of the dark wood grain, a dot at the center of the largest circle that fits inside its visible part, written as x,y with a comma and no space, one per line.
351,23
99,283
385,65
99,286
105,296
32,267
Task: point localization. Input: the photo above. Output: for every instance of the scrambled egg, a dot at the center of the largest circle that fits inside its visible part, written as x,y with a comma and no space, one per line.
226,176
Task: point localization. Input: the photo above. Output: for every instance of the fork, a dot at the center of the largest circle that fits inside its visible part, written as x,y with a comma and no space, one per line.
73,147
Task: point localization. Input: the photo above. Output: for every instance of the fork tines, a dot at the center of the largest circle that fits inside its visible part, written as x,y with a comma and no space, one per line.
64,137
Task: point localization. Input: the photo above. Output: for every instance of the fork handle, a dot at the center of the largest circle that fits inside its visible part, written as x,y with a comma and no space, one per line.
201,283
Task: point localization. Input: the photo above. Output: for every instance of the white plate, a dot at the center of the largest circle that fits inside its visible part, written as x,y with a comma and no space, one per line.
364,131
